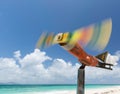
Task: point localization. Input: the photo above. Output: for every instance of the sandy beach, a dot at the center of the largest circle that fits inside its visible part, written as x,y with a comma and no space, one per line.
109,90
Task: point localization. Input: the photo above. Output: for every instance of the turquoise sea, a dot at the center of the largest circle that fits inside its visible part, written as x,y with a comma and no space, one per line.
42,89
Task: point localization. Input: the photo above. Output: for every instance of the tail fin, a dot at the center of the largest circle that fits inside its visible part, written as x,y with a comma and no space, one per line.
105,61
102,56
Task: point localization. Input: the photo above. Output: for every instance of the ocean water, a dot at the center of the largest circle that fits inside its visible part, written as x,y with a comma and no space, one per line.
43,89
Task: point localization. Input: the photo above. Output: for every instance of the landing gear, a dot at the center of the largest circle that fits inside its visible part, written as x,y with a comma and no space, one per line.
81,80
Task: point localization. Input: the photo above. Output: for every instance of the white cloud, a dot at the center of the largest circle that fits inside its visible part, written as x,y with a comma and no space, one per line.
63,72
117,54
8,70
98,75
112,59
35,58
17,55
30,70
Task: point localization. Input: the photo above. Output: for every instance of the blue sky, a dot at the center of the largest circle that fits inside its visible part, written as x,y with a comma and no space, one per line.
22,22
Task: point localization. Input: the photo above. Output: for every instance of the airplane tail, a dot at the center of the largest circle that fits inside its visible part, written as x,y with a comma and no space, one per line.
102,56
103,61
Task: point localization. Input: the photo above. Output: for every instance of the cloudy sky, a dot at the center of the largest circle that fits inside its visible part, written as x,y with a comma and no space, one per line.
22,22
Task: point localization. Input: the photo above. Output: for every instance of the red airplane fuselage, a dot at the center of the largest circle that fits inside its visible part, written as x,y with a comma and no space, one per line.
82,56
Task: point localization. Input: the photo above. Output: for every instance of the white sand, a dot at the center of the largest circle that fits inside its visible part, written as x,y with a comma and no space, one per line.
109,90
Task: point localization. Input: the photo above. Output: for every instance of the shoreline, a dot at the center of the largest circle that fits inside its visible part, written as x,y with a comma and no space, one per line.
91,89
106,90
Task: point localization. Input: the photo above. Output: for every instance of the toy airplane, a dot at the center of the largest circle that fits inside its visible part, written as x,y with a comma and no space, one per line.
95,36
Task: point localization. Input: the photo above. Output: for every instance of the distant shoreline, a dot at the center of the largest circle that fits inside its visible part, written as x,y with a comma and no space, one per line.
58,89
